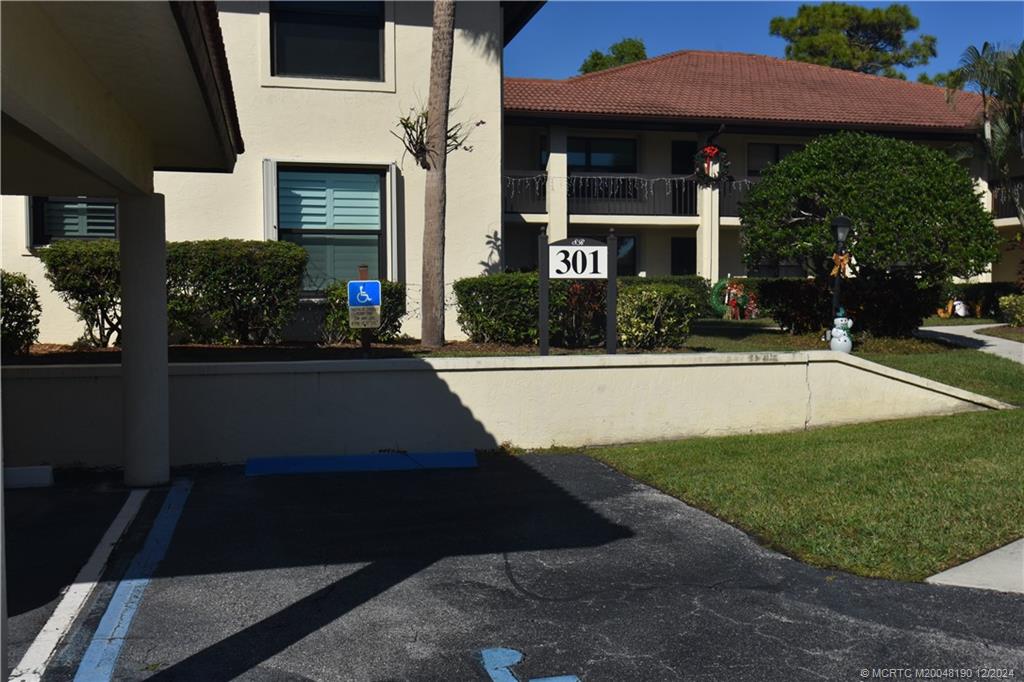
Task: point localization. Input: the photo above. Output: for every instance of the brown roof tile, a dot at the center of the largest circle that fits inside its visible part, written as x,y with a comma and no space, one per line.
728,86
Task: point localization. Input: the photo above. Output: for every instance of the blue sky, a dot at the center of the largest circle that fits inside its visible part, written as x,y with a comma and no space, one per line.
562,34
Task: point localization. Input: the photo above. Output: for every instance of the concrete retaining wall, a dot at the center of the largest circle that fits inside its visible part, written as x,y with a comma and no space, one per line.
71,415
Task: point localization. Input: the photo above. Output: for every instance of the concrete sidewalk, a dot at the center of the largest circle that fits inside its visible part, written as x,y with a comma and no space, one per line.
1001,569
968,337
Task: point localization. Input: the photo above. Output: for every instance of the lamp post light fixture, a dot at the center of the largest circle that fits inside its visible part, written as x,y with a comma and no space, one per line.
840,230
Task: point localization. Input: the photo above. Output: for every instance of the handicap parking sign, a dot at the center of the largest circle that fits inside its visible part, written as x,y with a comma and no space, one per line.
364,303
363,293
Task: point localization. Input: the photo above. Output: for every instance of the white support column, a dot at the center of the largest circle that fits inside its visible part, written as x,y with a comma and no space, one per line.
144,383
707,233
558,183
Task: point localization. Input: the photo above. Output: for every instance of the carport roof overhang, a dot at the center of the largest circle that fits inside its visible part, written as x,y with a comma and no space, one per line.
98,95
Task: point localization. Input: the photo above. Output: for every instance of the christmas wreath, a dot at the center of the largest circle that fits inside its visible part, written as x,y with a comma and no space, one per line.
702,161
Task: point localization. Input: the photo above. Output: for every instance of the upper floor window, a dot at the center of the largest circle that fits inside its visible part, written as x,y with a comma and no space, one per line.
596,155
56,218
337,40
760,156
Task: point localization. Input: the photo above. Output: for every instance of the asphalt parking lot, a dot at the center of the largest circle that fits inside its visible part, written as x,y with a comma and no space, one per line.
527,568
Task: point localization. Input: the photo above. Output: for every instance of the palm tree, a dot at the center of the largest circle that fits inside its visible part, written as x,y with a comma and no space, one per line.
432,306
998,76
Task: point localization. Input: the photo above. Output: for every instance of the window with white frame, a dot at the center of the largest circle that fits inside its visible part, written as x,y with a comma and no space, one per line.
330,40
56,218
338,216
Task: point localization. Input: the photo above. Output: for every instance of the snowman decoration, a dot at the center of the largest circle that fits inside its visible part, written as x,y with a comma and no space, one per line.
839,337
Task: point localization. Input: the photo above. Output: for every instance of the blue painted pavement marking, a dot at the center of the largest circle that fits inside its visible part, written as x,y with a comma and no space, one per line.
100,658
272,466
498,661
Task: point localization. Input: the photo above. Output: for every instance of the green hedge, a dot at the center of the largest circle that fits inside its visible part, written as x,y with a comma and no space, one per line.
699,287
19,313
1012,307
233,290
221,291
393,309
502,308
655,315
890,306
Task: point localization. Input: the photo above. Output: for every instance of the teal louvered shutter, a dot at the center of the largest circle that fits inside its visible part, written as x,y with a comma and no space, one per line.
79,220
336,217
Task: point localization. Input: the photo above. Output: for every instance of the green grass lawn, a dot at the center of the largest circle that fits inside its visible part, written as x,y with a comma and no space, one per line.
900,499
1005,332
936,321
726,336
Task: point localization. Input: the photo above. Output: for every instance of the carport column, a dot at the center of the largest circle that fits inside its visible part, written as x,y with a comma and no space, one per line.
707,232
144,384
558,183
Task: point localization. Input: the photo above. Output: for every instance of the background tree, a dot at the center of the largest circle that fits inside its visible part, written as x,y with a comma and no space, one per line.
854,38
625,51
941,78
438,104
917,219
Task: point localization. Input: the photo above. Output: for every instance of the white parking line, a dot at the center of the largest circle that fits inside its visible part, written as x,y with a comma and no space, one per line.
33,663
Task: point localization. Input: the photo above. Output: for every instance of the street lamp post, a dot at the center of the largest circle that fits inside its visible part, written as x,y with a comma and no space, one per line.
840,230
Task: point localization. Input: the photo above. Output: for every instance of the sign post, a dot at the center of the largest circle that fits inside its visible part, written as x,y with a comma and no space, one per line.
577,258
364,301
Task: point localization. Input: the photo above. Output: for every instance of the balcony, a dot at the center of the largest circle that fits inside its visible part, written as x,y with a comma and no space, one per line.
635,195
1002,202
732,194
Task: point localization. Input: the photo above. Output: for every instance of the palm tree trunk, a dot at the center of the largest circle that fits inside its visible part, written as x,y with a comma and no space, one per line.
432,307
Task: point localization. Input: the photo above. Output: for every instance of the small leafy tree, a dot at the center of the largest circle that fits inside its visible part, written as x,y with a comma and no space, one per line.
855,38
626,51
19,313
915,212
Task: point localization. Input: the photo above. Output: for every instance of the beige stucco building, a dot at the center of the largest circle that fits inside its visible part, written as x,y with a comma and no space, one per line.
320,88
615,149
319,120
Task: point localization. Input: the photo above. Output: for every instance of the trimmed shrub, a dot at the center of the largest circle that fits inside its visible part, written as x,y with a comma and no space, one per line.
499,308
655,315
393,309
87,277
19,313
233,290
982,298
880,306
223,291
1012,308
695,284
798,304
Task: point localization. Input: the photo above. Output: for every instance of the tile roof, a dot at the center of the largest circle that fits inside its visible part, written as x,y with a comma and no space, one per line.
729,86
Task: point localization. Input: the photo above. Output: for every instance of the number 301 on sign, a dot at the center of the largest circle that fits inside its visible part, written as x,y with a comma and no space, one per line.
578,261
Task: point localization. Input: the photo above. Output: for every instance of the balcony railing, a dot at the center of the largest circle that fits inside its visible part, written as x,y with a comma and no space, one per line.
732,194
606,195
1002,200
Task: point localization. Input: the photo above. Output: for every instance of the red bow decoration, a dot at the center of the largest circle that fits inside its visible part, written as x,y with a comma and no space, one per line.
709,152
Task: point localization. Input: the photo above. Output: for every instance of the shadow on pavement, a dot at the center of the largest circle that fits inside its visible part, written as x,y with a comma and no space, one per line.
396,523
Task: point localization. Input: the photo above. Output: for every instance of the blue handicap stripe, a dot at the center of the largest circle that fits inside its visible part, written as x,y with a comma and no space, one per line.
276,466
498,661
98,663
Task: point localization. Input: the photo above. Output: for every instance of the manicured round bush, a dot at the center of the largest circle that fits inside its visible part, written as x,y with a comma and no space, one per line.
913,209
917,221
655,316
393,309
87,277
19,313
